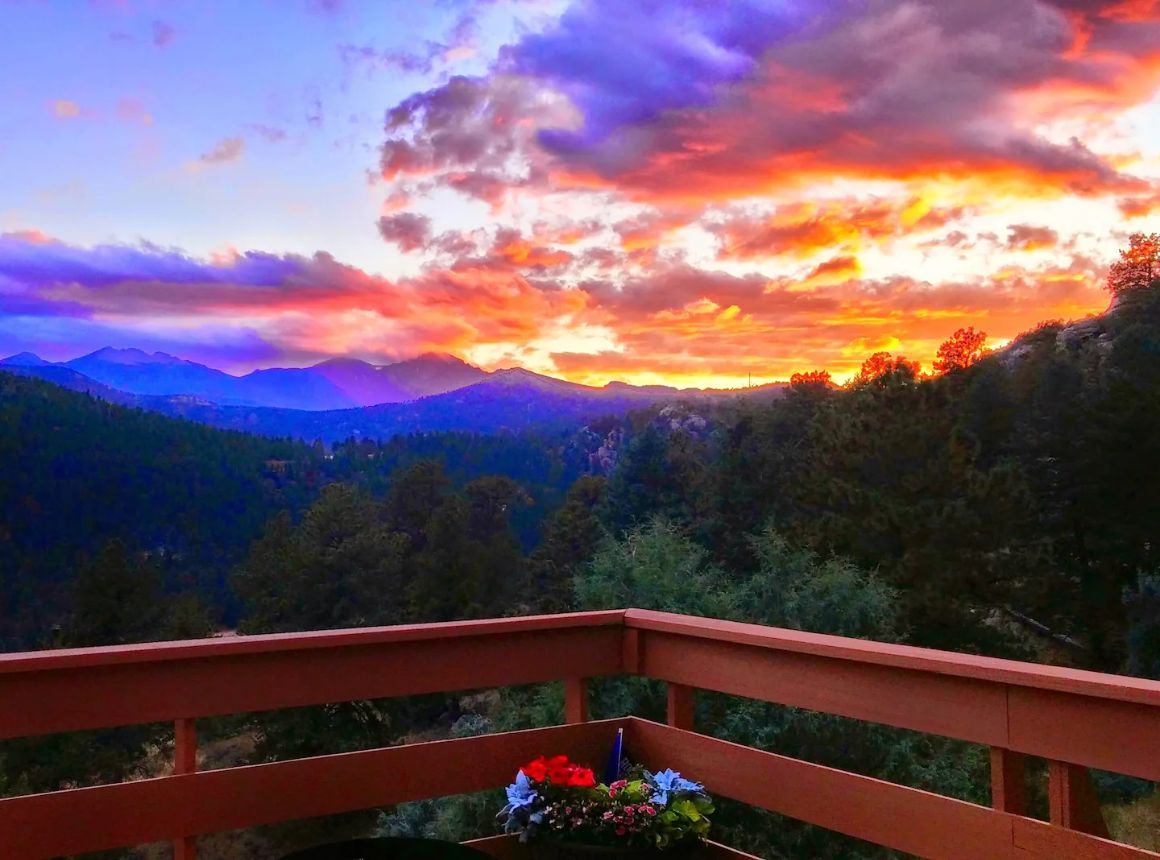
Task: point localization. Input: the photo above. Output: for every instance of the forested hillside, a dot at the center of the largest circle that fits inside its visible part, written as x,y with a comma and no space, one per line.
182,502
79,472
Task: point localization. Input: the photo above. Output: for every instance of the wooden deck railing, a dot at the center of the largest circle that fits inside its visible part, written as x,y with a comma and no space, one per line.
1074,719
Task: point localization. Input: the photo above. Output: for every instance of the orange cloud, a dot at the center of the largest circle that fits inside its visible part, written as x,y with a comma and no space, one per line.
1138,207
65,109
511,247
805,229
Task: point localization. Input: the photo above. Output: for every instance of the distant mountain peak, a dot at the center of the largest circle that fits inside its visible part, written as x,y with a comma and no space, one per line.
344,361
521,375
25,359
132,355
436,358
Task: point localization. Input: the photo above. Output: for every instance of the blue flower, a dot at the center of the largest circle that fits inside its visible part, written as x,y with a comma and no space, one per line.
520,793
669,781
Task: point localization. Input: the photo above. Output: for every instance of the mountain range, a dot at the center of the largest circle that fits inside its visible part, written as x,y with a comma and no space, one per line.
342,398
339,383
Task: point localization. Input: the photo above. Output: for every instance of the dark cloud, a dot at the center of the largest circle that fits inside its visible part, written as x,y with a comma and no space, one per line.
1025,237
624,64
270,133
163,33
749,96
409,230
224,151
41,263
460,38
326,7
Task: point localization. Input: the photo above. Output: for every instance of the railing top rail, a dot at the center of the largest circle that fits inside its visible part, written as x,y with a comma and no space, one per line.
196,649
947,663
1011,672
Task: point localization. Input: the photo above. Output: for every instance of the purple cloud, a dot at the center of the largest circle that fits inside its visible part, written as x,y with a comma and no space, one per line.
627,63
30,264
408,230
163,33
269,133
224,151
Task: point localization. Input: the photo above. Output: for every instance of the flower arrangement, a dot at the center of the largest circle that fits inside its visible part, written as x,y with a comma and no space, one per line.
558,800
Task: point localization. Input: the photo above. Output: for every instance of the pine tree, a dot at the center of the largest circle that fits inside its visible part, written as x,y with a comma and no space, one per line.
117,599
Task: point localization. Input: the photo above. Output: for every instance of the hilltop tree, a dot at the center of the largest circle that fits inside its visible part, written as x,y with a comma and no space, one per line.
1138,266
882,365
962,349
812,377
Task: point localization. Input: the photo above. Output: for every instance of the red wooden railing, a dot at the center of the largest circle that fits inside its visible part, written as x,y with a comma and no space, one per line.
1074,719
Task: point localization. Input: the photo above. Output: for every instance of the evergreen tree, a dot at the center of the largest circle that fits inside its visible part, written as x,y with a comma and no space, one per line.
570,539
341,567
117,599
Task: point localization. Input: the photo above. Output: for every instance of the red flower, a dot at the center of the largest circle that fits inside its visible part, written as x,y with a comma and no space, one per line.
536,770
559,771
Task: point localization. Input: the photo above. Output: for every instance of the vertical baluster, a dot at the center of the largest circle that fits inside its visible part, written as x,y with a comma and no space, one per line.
1072,799
185,761
1008,781
681,706
576,700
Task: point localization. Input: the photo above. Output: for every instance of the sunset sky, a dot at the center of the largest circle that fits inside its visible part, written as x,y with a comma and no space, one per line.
692,192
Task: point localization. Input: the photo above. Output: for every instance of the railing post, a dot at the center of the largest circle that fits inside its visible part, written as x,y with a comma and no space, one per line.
1072,799
576,700
185,761
1008,781
681,706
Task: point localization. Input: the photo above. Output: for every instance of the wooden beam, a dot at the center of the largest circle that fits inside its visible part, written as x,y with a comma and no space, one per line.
630,651
1123,737
576,700
898,817
164,808
1036,839
905,819
976,705
92,695
1008,781
185,761
1072,799
954,707
681,706
926,660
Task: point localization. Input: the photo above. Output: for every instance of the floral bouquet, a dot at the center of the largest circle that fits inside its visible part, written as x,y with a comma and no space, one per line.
556,800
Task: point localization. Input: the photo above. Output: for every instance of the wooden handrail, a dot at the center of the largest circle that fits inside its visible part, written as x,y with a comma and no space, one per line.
1013,673
268,643
1084,718
46,692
